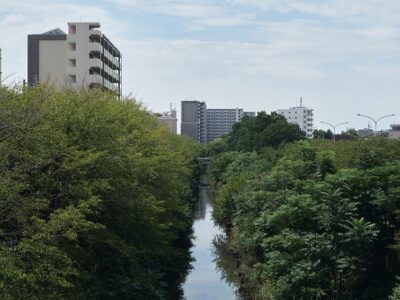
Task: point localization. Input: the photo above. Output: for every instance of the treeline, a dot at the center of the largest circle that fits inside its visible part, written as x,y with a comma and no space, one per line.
95,198
309,219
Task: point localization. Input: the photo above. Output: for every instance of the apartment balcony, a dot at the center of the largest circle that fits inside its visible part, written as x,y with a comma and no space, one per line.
95,63
113,59
96,47
110,86
111,72
108,57
96,79
71,70
95,32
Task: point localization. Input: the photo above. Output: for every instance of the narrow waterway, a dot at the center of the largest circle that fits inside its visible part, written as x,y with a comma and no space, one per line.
207,280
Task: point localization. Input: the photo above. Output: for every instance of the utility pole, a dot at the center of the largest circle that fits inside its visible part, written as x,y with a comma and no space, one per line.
334,128
376,120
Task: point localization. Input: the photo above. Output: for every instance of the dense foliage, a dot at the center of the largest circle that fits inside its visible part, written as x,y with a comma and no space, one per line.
94,198
312,219
255,133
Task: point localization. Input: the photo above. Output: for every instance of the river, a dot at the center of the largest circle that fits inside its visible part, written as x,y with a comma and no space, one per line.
209,279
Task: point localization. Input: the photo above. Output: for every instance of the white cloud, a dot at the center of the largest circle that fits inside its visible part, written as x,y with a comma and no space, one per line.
351,11
338,65
199,14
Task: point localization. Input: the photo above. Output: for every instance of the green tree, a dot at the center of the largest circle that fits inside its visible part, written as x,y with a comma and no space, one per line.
317,221
322,134
253,134
95,198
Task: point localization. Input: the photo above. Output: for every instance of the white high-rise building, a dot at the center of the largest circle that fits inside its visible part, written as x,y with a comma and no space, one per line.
300,115
83,58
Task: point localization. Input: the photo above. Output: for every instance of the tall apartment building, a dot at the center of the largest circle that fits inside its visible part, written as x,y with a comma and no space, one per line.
168,119
300,115
205,125
220,121
193,120
83,58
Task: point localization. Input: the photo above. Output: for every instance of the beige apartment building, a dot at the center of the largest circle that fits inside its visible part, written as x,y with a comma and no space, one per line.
82,58
169,120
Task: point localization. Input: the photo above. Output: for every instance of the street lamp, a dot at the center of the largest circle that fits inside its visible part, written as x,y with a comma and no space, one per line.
377,120
334,127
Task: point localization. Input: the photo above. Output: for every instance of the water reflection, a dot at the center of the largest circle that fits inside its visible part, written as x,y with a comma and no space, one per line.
202,204
206,281
224,260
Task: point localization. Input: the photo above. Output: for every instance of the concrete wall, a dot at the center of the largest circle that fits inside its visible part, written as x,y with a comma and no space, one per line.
52,61
190,112
191,130
81,54
170,122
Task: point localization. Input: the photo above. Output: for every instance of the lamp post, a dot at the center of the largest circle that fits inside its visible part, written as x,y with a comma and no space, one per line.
377,120
334,127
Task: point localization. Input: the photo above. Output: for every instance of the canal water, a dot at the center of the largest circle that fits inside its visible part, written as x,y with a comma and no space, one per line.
210,278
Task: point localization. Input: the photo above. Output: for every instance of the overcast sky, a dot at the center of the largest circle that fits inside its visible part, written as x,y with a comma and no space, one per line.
342,56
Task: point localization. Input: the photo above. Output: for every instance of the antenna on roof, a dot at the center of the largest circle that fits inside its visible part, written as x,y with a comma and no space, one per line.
301,101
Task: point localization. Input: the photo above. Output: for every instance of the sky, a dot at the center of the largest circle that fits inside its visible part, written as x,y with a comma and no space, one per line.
341,56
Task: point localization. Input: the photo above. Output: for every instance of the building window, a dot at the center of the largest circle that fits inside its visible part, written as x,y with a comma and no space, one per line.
72,29
72,78
72,62
72,46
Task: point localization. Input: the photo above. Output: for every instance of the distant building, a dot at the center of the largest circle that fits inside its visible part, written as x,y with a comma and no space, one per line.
300,115
365,132
394,132
193,121
250,114
83,58
220,121
168,119
205,125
